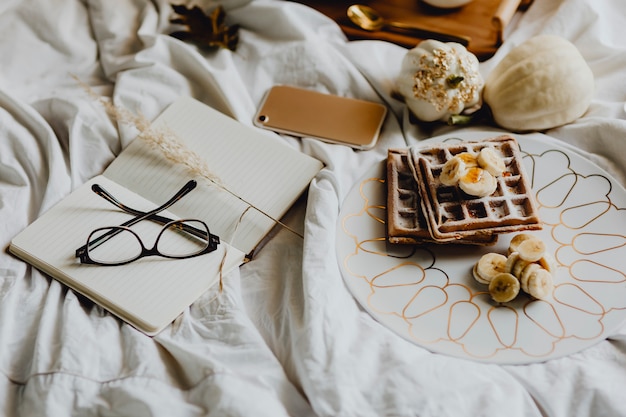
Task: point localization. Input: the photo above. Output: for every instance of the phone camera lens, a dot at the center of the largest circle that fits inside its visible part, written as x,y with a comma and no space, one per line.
263,118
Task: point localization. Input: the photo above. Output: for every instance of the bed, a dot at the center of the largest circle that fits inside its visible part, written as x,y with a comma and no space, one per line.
287,335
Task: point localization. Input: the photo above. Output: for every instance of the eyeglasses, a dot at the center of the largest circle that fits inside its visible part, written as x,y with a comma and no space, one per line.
119,245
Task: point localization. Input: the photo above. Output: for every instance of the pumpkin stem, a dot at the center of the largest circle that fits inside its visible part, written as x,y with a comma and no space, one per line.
460,119
482,114
454,80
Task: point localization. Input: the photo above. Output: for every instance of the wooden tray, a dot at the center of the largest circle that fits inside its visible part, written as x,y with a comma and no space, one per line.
482,20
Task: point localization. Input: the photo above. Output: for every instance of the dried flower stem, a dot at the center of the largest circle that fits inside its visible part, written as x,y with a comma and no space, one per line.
165,141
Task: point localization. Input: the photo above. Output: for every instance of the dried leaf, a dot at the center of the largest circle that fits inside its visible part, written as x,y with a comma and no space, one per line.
205,30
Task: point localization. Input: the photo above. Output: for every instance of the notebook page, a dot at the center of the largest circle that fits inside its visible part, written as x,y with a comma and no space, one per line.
259,171
149,293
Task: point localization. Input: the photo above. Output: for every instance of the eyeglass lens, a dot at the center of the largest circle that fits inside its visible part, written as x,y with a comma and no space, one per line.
177,243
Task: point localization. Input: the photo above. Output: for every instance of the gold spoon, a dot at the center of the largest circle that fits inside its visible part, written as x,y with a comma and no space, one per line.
369,19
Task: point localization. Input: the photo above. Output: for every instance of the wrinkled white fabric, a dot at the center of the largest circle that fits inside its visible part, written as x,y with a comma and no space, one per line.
285,337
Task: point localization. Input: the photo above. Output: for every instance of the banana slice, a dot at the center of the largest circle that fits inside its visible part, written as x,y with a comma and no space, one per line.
478,182
518,267
540,284
504,287
548,262
526,273
516,240
469,159
488,266
477,276
452,171
489,160
531,249
511,260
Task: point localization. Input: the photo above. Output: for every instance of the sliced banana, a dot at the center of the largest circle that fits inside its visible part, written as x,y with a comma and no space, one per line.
527,267
469,159
518,267
540,284
510,262
452,171
477,276
548,262
531,249
504,287
516,240
489,160
526,273
478,182
488,266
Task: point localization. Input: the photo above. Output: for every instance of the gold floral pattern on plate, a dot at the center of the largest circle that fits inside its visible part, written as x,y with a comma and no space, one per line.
427,293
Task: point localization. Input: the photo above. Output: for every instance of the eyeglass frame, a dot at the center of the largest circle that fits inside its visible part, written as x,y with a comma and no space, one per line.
213,240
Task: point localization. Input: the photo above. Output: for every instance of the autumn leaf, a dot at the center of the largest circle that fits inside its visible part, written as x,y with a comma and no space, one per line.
205,30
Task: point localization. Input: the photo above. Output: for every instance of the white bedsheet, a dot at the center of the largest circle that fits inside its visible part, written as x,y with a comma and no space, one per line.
285,337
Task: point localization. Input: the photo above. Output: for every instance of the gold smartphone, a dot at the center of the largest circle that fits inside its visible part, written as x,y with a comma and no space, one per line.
330,118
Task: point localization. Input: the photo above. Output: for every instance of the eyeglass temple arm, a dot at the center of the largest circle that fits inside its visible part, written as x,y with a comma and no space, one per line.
190,185
140,215
154,217
105,194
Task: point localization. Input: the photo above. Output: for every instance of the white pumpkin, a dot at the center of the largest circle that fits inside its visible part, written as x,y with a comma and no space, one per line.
540,84
438,80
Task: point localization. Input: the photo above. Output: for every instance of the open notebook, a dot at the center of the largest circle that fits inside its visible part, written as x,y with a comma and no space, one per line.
151,292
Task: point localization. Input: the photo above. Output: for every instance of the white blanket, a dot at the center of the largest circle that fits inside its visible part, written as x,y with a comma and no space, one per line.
285,337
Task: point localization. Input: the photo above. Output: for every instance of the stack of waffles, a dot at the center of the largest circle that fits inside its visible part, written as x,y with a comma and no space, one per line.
421,209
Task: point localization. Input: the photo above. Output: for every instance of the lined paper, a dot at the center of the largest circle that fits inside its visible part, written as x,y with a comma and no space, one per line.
261,171
149,293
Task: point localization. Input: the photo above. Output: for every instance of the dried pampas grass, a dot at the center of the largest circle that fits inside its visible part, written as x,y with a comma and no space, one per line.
161,139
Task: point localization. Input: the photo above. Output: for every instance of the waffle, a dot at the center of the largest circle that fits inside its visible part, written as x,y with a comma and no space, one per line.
406,223
452,214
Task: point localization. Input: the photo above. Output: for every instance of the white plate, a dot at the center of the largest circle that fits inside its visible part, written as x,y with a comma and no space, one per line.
427,293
